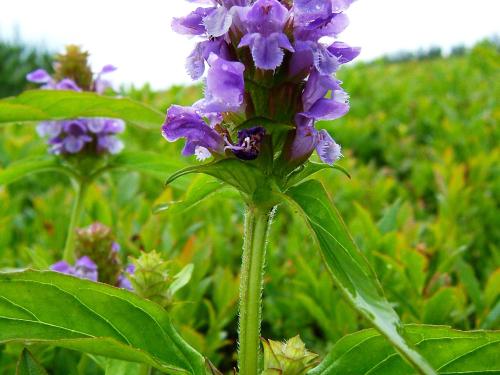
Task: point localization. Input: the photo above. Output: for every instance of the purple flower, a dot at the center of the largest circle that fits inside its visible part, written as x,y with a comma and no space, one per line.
224,87
62,267
343,52
328,150
94,135
308,11
100,84
192,24
72,136
195,64
304,141
123,280
185,122
311,52
249,143
265,22
315,102
84,268
39,76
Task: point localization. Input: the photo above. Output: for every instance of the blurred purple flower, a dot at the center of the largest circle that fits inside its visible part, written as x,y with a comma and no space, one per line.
123,279
95,135
84,268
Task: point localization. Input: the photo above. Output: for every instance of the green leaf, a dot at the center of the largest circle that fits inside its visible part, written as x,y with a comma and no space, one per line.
41,105
200,189
309,169
181,279
471,284
242,176
24,168
115,366
27,365
448,350
150,163
60,310
348,267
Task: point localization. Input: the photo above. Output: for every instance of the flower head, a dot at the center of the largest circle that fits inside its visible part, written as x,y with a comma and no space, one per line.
287,358
83,135
269,62
98,258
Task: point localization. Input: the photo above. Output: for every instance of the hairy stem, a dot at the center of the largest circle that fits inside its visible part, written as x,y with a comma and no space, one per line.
69,248
257,223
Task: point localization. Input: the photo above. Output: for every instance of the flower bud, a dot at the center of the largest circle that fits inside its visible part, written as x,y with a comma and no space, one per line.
73,64
287,358
151,279
97,242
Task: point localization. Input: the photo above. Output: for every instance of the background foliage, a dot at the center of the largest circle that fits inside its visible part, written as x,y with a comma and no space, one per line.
421,144
17,60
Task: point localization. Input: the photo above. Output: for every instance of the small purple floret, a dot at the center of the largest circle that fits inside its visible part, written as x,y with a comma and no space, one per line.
225,86
185,122
84,268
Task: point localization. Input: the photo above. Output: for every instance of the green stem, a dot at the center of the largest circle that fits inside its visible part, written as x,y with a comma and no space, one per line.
257,223
69,248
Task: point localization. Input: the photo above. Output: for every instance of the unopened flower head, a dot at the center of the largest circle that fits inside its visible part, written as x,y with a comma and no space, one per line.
82,135
98,258
267,63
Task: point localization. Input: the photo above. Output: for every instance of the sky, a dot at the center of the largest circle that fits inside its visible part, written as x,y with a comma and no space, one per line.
135,35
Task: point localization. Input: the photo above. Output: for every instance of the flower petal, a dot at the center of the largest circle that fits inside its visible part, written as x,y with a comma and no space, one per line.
328,150
218,22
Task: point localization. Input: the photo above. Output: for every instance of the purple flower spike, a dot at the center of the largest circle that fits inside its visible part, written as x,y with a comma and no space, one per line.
89,135
269,61
224,87
185,122
249,143
328,150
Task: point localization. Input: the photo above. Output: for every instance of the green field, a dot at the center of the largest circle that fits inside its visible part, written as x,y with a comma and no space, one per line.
423,203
